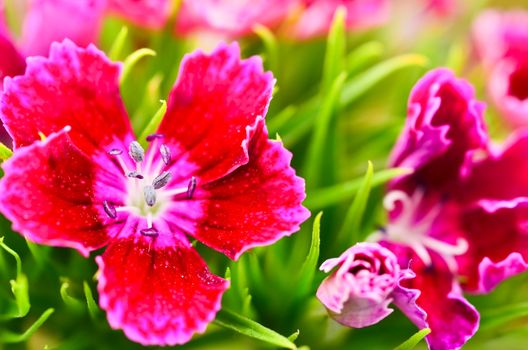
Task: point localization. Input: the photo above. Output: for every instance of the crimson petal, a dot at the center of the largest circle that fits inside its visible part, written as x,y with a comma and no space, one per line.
49,192
158,292
73,87
11,62
215,98
257,204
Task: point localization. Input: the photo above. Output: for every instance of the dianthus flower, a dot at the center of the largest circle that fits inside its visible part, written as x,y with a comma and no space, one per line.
367,279
500,39
147,13
210,172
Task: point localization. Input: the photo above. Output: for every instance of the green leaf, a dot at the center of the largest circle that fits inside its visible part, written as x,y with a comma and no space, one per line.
19,287
270,43
414,340
307,272
315,153
132,60
117,47
69,300
363,56
154,123
350,230
335,194
274,124
14,254
93,310
363,82
334,62
10,337
250,328
499,316
5,153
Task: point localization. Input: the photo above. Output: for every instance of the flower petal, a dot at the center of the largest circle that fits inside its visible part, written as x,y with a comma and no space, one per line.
73,87
48,194
501,253
11,62
148,13
257,204
215,99
444,129
159,293
54,20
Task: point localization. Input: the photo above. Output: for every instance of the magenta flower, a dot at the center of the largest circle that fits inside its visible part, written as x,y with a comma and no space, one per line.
316,18
443,132
366,281
231,18
500,39
148,13
209,172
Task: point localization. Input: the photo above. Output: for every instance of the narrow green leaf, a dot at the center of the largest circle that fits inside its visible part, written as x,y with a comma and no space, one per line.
14,254
132,60
270,43
250,328
19,287
363,56
154,123
9,337
294,336
117,47
350,230
335,194
334,62
90,302
314,157
362,83
5,153
274,124
68,300
309,266
414,340
499,316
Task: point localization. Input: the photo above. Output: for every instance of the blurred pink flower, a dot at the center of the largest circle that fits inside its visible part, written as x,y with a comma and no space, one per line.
147,13
367,279
500,39
316,16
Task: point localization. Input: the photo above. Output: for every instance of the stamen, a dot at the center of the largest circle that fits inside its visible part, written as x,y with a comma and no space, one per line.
165,154
153,137
191,187
136,152
110,209
161,180
115,152
135,174
150,195
149,232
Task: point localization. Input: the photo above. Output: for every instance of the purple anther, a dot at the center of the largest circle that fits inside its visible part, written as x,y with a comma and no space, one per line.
136,152
115,152
150,195
165,154
135,175
161,180
109,209
153,137
149,232
191,187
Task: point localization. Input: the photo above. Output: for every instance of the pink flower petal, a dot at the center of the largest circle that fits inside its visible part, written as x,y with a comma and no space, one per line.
255,205
159,293
73,87
11,62
444,128
316,19
54,20
215,99
47,192
148,13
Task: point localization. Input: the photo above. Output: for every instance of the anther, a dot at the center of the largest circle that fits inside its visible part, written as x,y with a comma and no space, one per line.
149,232
109,209
135,175
115,152
191,187
165,154
150,195
136,152
153,137
161,180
